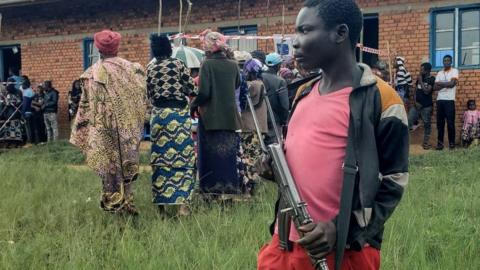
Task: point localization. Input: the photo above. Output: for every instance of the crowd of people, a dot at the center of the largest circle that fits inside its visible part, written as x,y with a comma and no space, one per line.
107,125
118,96
30,115
27,115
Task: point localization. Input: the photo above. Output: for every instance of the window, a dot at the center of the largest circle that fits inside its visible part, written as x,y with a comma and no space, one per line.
90,53
444,36
241,44
470,37
456,32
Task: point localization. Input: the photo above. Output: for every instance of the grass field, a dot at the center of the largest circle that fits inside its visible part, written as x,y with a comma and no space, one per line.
49,219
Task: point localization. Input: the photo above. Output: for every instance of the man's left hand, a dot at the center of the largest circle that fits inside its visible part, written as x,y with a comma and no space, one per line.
319,238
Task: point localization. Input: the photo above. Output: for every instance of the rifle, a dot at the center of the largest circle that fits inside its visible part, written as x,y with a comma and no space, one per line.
295,208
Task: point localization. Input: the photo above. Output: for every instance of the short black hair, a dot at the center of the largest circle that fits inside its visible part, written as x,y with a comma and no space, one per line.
48,84
260,55
448,56
26,81
161,46
335,12
427,66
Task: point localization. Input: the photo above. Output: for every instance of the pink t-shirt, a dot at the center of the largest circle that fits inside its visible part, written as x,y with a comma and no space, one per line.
315,151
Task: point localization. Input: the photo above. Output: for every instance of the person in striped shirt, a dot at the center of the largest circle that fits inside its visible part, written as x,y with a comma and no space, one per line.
403,79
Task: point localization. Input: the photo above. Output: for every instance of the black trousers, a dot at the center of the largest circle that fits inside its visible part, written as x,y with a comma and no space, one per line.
38,131
446,110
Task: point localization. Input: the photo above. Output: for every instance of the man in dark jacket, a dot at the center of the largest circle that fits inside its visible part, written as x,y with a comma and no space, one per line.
277,93
346,147
50,110
27,93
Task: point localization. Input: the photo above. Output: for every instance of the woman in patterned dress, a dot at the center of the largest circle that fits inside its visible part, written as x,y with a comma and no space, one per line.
108,126
252,71
169,85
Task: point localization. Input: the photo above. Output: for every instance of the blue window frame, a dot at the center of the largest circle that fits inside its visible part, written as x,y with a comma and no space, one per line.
90,53
241,44
455,31
470,37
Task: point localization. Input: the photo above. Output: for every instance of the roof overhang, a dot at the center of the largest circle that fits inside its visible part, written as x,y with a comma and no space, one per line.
9,3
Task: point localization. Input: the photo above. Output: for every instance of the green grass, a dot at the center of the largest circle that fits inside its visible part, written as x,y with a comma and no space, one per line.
49,219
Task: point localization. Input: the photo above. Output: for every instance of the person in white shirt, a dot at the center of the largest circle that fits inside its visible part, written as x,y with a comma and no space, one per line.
446,84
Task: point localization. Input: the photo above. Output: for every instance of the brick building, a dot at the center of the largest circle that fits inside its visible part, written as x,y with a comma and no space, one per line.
52,39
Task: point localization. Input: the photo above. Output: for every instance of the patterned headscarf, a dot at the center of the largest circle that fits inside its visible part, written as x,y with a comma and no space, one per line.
288,61
242,56
253,66
213,41
285,73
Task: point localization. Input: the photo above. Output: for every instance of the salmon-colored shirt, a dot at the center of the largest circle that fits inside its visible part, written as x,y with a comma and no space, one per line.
315,151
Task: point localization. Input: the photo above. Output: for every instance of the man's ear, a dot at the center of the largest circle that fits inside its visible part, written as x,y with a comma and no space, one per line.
342,33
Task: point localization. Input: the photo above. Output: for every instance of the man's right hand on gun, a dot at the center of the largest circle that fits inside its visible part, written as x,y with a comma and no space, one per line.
319,238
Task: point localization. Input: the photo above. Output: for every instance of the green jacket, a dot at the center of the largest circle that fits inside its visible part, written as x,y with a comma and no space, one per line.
219,77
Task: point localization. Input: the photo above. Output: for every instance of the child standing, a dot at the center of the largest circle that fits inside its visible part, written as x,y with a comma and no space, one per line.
471,124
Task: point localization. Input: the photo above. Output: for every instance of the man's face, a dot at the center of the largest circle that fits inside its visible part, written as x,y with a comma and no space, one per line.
447,62
423,71
314,45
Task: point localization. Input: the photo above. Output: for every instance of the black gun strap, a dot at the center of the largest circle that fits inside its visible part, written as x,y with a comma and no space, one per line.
350,171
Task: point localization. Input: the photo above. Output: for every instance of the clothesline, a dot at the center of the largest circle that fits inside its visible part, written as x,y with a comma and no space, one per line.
283,37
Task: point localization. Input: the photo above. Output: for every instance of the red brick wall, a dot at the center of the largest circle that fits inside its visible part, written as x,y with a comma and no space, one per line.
51,35
61,62
408,34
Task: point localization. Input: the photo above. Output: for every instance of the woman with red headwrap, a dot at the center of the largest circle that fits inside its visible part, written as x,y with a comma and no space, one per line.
109,123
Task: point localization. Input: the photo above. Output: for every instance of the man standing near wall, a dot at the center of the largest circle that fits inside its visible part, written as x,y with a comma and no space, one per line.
446,84
108,127
423,104
50,110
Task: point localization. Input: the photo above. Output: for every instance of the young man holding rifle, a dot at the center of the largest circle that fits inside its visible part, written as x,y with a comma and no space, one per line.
346,148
